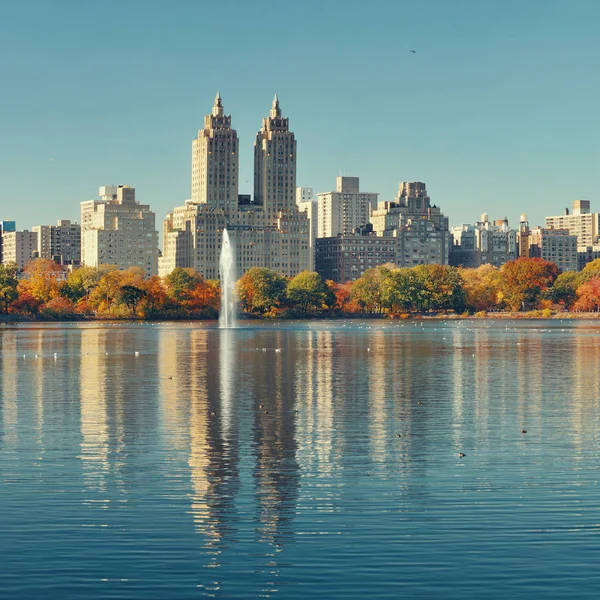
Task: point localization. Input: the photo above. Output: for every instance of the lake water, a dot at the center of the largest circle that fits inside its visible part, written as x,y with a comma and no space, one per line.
265,462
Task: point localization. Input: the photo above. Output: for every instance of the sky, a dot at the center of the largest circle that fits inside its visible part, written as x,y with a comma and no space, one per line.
496,110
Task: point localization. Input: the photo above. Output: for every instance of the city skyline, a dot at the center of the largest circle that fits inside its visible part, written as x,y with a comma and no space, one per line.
494,108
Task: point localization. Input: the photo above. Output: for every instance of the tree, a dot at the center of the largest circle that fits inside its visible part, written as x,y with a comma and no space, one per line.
441,287
588,295
180,283
523,280
308,291
481,287
366,290
130,296
80,282
260,290
42,279
401,290
8,285
564,290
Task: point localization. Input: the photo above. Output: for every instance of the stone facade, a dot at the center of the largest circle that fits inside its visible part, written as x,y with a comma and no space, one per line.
266,231
421,229
484,243
118,230
215,161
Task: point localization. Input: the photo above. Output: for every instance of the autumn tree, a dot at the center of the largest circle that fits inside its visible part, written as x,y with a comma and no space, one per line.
42,279
180,284
308,291
588,295
260,290
523,280
80,282
481,287
8,285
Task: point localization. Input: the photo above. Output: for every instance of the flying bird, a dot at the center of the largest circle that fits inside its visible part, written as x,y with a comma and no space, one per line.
414,51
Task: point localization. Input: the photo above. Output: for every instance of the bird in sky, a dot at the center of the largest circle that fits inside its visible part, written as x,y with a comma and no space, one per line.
414,51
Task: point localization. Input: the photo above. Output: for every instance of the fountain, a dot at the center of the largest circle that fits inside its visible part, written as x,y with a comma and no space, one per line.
227,318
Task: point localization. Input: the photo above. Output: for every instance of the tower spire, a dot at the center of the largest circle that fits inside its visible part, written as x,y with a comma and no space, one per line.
275,110
217,110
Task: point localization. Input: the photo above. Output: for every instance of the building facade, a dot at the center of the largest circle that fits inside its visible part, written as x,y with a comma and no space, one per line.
264,231
421,228
275,165
307,203
118,230
346,257
215,161
345,209
60,242
580,221
484,243
5,227
555,245
18,247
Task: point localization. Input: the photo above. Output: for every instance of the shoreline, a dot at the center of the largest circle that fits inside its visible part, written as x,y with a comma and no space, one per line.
531,315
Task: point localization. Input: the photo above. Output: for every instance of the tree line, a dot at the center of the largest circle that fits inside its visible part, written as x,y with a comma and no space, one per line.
45,290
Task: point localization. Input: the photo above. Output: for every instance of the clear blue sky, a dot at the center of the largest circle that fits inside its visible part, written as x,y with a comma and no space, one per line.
497,111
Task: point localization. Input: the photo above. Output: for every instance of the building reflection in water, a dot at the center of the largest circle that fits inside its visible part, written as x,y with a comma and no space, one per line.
94,420
10,389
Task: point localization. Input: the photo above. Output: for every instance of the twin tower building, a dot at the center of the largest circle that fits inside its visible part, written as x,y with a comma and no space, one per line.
267,229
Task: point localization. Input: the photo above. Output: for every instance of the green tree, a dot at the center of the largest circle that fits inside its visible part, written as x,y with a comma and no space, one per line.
401,290
260,290
80,282
180,284
308,291
564,290
442,287
130,296
367,289
8,284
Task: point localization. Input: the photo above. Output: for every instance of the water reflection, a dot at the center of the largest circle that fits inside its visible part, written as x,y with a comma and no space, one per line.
249,456
94,420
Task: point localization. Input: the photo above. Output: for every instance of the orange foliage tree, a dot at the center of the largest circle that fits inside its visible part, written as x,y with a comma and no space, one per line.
523,280
588,296
42,279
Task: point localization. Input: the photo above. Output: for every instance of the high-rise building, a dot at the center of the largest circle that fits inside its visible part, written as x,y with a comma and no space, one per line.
421,229
580,222
484,243
275,165
6,226
265,231
215,161
555,245
345,209
18,247
118,230
60,242
307,203
346,257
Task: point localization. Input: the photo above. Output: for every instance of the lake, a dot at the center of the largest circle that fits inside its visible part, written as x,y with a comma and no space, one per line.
300,460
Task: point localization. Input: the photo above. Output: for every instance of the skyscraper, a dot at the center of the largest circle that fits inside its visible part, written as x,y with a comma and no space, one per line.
275,165
215,161
266,231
